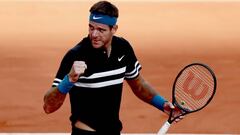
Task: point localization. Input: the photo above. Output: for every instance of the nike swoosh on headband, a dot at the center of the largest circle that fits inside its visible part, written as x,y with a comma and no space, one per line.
96,18
104,19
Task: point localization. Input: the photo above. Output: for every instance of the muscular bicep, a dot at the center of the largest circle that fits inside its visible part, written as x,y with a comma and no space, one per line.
142,89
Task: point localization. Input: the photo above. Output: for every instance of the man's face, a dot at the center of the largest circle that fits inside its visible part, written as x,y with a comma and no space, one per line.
100,34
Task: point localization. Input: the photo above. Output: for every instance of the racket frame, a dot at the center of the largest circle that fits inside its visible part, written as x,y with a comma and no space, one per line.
185,111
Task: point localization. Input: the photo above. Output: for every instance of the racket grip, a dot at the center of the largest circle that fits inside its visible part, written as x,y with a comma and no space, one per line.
164,128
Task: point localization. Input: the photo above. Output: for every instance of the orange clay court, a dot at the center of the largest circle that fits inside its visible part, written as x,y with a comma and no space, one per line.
166,36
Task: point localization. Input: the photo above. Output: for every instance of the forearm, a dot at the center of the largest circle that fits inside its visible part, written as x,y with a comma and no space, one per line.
146,92
151,96
143,89
55,97
53,100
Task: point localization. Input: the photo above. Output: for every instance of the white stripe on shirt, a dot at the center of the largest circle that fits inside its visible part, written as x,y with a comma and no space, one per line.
134,75
134,70
57,80
99,84
105,74
97,75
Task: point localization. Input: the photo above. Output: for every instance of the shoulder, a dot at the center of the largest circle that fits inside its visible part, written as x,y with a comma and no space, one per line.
78,49
121,43
81,46
120,40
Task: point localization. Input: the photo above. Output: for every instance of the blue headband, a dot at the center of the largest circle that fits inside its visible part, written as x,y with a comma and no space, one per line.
104,19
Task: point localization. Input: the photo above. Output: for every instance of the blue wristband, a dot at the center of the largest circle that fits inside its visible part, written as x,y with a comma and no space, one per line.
65,85
158,101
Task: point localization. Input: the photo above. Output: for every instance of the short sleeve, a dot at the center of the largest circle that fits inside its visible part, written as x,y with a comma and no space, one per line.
64,68
133,65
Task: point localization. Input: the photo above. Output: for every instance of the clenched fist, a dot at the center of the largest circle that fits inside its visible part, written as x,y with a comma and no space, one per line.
78,68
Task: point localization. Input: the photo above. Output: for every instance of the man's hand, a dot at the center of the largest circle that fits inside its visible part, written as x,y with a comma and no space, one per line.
78,68
168,106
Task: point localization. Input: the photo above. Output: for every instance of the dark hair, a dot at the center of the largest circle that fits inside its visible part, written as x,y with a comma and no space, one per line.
105,8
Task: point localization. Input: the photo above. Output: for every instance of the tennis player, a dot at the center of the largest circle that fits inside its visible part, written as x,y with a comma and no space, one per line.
92,73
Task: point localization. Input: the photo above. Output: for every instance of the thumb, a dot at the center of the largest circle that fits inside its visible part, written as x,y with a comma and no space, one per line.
171,105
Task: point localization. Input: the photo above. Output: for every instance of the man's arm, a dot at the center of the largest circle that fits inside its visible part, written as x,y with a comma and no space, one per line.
142,89
148,94
53,100
55,97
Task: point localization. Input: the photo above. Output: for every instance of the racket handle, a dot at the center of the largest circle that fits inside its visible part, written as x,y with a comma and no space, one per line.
164,128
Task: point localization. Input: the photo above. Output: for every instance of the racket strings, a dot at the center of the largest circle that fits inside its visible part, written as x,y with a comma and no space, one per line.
204,74
193,102
186,102
205,79
194,88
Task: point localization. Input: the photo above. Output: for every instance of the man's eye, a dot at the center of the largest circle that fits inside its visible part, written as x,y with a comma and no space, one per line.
91,28
102,30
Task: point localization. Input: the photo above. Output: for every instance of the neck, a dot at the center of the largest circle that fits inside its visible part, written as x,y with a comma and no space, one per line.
109,49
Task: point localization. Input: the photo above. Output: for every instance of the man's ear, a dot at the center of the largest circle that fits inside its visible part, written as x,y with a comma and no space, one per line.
114,29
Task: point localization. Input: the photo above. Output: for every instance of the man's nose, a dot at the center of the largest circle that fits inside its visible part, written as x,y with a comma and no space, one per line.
95,33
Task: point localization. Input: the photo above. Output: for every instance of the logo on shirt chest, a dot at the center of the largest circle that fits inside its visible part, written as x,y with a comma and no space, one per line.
120,58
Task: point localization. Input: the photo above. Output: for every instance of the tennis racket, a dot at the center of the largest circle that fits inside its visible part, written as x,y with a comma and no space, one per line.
193,88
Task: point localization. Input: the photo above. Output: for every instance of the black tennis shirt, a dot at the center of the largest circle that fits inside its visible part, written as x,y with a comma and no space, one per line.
96,96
